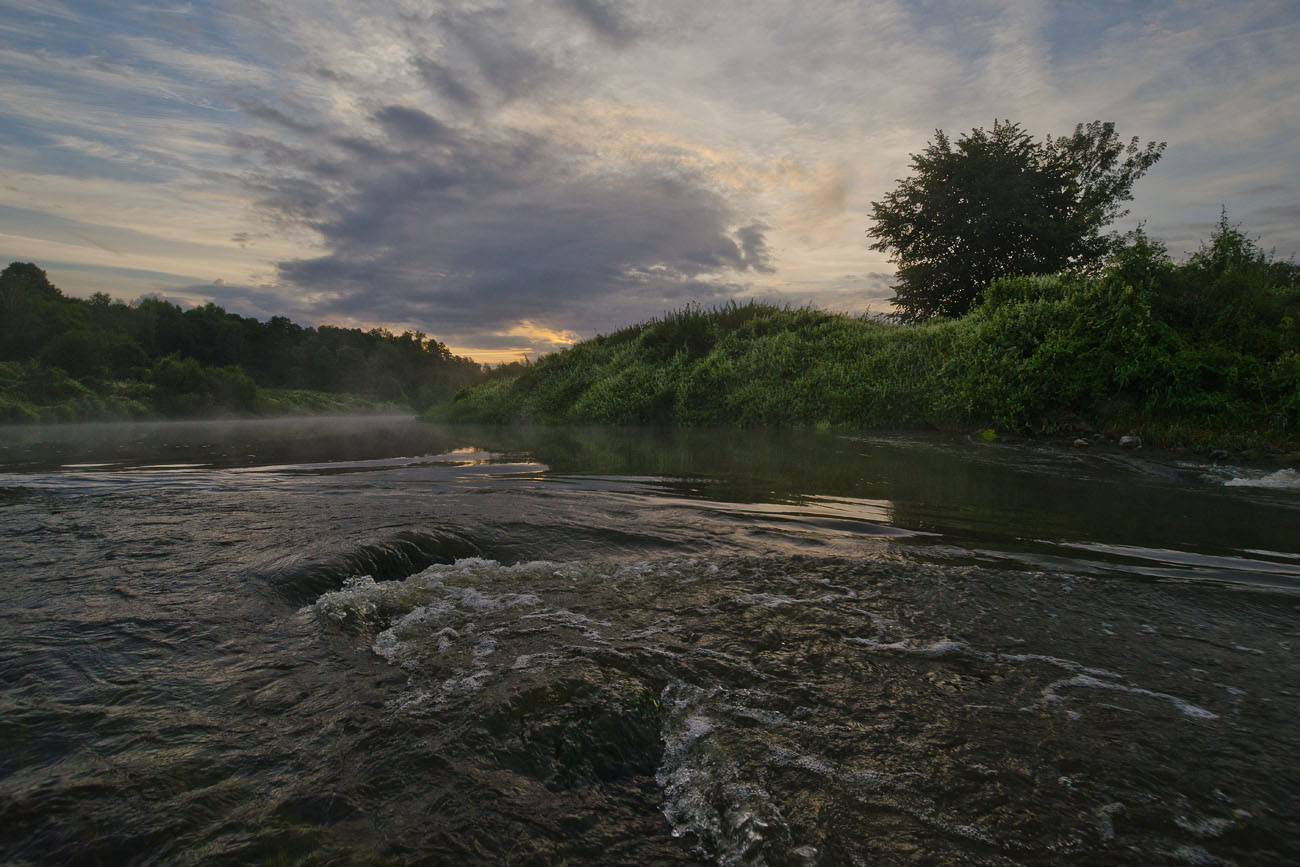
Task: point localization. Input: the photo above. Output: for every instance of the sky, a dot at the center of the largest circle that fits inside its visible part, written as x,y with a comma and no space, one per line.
510,177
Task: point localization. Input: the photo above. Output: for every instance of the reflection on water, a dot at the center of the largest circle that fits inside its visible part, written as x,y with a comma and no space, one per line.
1020,503
375,641
949,498
241,443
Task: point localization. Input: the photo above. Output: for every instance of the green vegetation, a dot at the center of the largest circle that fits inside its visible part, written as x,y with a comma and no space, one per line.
996,204
1203,353
68,359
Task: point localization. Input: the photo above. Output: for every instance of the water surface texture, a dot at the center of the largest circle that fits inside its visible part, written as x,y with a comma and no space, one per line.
372,641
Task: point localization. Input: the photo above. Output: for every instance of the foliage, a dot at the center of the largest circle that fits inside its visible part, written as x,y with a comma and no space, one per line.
1201,353
996,203
33,392
67,358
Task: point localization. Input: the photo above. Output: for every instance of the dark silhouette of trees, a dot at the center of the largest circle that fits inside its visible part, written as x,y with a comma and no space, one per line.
204,360
996,203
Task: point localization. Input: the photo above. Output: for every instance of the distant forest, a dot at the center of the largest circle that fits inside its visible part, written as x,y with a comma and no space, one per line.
72,359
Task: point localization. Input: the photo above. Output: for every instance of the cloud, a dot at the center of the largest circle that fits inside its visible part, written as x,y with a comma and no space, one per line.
753,248
503,173
478,222
451,227
606,20
1275,221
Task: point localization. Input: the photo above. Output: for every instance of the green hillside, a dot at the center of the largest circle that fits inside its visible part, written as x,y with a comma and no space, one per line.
1205,353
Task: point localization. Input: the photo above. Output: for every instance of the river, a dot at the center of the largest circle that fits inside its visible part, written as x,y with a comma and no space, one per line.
371,641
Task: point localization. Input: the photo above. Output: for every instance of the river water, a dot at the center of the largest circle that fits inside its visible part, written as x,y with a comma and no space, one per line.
352,641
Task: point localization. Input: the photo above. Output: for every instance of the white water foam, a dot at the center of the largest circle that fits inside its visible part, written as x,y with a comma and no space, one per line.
1086,681
706,794
1213,827
1106,820
767,600
899,791
1084,676
731,811
439,623
426,623
1285,479
937,648
1199,857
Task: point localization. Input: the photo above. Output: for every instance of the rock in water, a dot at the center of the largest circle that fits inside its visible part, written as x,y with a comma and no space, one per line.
1130,442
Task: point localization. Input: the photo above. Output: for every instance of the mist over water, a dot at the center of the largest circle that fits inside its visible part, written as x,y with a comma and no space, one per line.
374,641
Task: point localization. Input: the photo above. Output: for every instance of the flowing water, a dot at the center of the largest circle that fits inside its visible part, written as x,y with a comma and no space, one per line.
355,641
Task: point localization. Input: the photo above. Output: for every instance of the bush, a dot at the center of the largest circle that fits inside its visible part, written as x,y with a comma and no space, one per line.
183,387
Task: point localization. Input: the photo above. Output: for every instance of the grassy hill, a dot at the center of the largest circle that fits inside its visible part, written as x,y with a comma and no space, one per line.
1203,354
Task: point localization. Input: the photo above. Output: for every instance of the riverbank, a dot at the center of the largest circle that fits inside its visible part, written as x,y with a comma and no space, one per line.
34,393
1055,356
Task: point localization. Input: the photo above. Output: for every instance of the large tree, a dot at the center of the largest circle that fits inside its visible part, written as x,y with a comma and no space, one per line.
995,203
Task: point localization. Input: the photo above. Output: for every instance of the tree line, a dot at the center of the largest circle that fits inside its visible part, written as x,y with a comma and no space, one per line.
153,357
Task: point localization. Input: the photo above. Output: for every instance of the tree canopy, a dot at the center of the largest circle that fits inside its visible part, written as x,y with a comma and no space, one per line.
996,203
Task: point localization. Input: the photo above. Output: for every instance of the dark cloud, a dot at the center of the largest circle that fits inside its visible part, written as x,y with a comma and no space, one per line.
270,114
411,124
446,83
460,230
487,56
604,20
437,213
753,248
